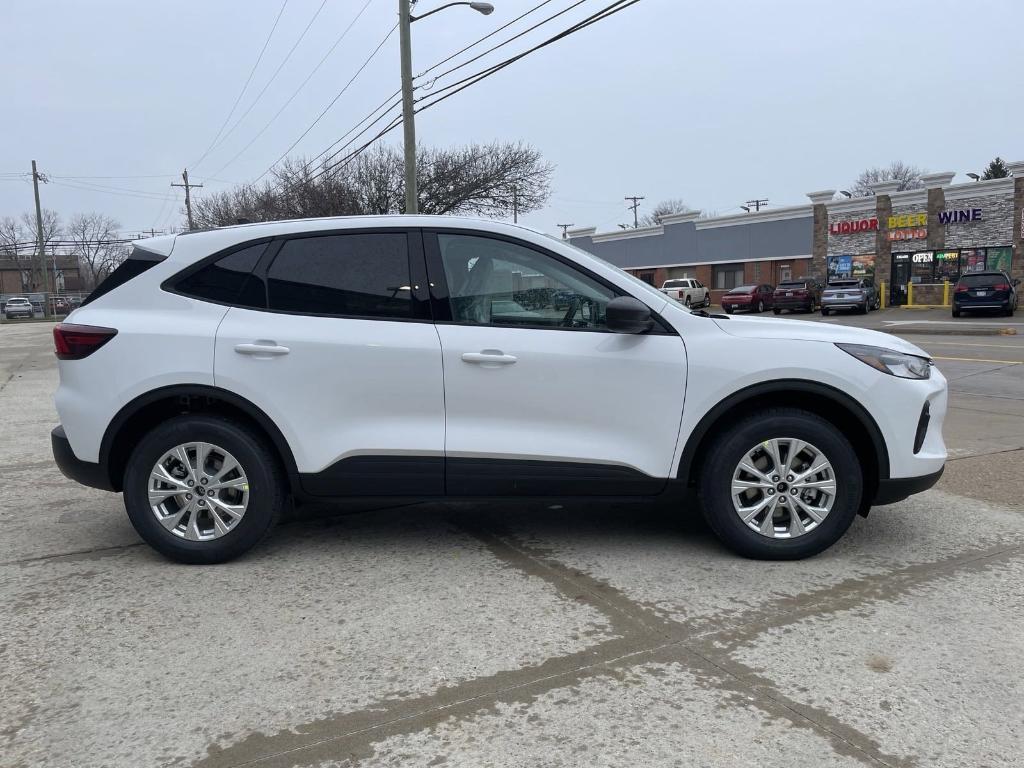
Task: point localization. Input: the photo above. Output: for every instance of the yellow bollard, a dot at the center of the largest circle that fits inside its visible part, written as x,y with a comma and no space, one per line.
882,297
945,294
910,294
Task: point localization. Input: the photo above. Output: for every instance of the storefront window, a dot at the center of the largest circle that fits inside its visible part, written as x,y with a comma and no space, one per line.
972,260
922,266
999,258
947,266
728,275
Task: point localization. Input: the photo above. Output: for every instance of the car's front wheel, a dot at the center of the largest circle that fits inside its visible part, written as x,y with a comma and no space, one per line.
781,485
202,489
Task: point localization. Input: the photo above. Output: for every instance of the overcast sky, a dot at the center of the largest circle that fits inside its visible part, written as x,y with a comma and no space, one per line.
711,102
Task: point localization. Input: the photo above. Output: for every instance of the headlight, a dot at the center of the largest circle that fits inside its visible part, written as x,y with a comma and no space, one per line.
889,361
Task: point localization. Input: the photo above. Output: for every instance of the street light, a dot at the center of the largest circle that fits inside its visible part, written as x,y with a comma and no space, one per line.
845,193
405,20
974,176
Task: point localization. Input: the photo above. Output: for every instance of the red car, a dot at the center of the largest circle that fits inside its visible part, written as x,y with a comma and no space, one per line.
752,298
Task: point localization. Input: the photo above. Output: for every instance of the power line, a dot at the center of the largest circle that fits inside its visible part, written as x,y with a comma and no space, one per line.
332,102
121,193
299,89
272,77
244,87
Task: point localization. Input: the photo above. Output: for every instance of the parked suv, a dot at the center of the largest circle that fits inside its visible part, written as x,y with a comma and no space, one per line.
17,306
752,298
850,293
215,374
691,293
803,295
985,290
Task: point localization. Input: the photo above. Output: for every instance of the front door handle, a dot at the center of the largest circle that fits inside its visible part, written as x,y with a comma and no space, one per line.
262,349
489,357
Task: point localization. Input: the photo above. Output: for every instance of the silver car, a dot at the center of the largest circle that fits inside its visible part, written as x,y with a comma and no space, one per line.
18,306
850,293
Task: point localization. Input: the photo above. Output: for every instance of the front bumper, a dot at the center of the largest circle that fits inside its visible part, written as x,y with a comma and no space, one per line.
898,488
73,468
836,303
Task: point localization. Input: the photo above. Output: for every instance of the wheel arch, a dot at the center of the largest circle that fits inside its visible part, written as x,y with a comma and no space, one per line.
834,405
155,406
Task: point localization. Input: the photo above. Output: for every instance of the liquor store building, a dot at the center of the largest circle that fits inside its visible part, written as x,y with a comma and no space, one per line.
913,244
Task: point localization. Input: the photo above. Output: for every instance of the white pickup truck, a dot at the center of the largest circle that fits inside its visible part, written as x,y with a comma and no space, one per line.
686,291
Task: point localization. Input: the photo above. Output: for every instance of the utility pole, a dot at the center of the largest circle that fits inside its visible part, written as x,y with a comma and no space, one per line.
41,256
565,230
636,204
755,204
188,197
408,120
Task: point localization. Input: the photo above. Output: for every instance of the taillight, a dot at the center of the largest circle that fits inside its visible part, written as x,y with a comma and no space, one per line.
1001,287
961,289
73,342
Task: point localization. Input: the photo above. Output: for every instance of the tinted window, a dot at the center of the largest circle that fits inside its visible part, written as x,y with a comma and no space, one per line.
494,282
977,281
727,275
677,284
359,275
791,284
845,284
138,261
229,280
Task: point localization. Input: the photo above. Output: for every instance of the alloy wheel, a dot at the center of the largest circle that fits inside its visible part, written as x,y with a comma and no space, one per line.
783,488
198,491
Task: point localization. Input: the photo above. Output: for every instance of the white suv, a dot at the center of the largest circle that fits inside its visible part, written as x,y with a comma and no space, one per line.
216,374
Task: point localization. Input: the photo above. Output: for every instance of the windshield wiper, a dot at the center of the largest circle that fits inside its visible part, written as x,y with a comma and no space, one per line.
705,313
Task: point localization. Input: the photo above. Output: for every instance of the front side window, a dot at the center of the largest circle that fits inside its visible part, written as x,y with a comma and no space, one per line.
728,276
229,280
494,282
357,275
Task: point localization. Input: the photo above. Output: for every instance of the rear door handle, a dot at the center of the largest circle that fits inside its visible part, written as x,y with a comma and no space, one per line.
262,349
489,357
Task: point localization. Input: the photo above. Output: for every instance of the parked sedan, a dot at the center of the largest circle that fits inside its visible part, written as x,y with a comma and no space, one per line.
803,294
850,293
18,306
985,290
752,298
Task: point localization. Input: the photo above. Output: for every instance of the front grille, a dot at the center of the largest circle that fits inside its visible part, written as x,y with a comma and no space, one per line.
922,428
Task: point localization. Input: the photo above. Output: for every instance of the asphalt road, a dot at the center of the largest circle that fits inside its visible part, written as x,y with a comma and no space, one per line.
526,635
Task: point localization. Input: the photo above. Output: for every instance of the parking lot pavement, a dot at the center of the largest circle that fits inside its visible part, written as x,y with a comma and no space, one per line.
527,634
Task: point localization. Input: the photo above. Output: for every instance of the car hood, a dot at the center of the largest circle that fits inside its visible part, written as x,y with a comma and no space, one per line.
803,330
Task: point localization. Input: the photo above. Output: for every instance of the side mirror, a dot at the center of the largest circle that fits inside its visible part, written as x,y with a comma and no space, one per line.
1016,281
625,314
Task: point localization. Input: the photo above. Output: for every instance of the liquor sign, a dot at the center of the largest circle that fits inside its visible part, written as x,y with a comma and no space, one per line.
960,216
853,227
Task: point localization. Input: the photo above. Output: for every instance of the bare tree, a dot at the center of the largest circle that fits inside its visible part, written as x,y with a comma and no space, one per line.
10,234
483,180
34,275
91,236
664,208
908,176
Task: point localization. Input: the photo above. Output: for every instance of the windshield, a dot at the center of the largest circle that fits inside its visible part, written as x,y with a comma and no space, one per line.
844,284
976,281
792,284
743,289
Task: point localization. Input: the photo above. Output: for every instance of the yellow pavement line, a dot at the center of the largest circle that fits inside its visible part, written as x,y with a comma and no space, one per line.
959,344
981,360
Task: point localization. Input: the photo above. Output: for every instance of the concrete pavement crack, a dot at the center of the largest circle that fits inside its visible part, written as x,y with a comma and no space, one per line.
643,636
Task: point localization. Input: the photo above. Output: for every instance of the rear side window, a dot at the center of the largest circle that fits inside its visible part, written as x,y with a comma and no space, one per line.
229,280
138,261
358,275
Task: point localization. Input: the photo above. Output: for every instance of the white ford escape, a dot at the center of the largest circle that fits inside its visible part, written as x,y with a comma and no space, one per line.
214,374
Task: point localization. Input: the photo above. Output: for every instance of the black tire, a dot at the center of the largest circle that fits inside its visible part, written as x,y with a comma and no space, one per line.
732,444
687,302
825,311
727,310
1009,311
760,307
265,486
956,313
776,311
863,310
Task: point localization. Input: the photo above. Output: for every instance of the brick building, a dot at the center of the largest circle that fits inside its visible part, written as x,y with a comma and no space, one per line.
920,238
14,273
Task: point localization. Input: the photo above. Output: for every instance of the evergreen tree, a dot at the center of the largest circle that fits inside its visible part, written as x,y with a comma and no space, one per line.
996,170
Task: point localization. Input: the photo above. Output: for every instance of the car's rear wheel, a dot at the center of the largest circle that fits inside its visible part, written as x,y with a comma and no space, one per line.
202,489
956,312
777,311
760,307
781,485
824,311
687,302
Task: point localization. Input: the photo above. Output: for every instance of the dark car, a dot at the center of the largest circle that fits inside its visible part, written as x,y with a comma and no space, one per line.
985,290
803,294
850,293
752,298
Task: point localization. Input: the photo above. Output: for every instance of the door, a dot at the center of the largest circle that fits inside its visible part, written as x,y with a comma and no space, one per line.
344,359
541,399
900,277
